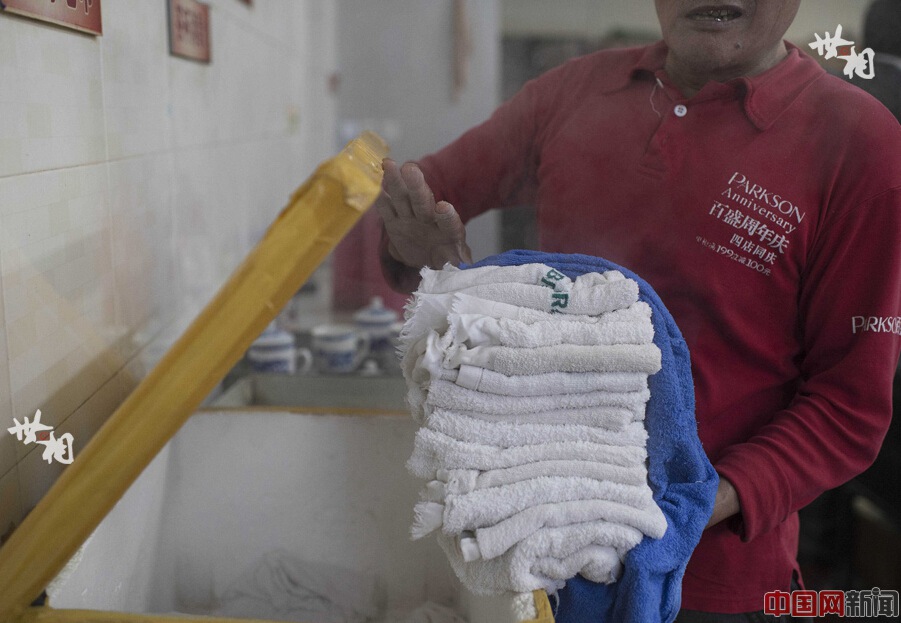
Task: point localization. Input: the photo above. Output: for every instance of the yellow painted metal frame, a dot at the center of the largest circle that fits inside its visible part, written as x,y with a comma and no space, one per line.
319,214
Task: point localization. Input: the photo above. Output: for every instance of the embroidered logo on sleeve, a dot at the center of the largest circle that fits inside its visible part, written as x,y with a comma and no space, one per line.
876,324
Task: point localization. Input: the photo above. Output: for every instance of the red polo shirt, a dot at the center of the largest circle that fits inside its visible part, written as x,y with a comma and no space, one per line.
766,213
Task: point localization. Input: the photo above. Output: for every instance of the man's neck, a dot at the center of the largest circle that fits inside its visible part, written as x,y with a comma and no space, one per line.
689,81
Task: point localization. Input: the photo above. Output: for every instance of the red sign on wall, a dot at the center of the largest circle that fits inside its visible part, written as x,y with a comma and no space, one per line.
83,15
189,30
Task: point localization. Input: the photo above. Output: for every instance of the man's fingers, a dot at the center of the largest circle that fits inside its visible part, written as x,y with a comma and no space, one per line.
393,184
421,198
384,207
453,247
449,222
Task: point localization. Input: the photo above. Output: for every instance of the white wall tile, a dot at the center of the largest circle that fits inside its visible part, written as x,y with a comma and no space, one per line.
194,100
225,206
141,233
58,289
136,78
52,86
264,18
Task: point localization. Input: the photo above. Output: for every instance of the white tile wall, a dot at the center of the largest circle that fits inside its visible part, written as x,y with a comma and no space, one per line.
141,227
58,286
52,84
136,78
131,184
7,442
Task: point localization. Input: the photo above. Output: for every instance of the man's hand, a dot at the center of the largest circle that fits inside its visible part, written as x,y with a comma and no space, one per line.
725,504
421,232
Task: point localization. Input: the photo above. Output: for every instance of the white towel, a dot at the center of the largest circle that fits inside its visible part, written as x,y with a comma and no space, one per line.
425,360
545,560
447,395
461,303
629,523
589,300
434,354
422,366
477,329
551,383
425,312
452,279
494,541
428,312
487,507
610,418
420,363
465,480
513,434
563,358
284,587
433,450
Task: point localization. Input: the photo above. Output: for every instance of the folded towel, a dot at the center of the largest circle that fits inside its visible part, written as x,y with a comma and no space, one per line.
423,313
513,434
466,480
562,358
487,507
447,395
550,383
460,303
478,329
543,560
624,527
587,298
426,362
611,418
683,480
630,523
429,312
452,279
433,451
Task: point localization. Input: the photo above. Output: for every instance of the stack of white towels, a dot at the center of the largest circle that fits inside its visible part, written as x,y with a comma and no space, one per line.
531,391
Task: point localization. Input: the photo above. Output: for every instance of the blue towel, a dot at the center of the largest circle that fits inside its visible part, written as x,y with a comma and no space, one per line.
682,478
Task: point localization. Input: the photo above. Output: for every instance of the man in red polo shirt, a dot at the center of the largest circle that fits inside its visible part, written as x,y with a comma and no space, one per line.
761,198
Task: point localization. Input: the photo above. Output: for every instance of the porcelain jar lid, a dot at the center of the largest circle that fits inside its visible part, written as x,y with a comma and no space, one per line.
376,314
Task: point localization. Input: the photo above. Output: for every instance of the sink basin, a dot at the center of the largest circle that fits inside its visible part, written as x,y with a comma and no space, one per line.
325,393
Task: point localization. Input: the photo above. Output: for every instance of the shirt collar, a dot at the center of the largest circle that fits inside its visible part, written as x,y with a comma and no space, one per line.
766,95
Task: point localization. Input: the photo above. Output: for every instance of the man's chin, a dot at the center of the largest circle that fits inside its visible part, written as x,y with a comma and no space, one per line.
719,61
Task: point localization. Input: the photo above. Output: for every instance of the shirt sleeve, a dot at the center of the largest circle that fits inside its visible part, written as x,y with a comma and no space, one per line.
850,306
492,165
